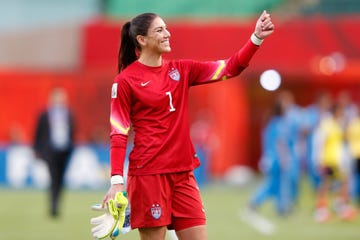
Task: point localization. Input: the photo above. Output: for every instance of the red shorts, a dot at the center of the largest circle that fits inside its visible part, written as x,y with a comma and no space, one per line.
171,200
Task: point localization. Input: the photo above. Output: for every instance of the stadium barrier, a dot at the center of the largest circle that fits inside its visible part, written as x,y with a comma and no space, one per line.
88,168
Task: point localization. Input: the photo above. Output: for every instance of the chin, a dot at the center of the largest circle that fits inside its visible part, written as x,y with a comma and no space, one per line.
167,50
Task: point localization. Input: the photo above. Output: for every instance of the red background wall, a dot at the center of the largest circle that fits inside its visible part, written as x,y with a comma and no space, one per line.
295,50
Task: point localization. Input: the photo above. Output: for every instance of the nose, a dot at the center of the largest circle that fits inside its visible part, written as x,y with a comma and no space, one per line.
167,33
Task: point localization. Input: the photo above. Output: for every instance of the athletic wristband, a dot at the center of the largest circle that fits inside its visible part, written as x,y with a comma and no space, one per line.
255,40
116,179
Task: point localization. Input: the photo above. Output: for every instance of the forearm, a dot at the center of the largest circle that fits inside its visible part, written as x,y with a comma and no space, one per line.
117,154
241,59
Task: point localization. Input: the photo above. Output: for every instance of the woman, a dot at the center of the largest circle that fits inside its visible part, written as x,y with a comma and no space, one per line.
151,95
274,165
275,160
333,169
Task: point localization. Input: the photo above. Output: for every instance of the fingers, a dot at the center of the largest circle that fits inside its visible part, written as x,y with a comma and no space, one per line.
264,15
97,207
266,23
107,197
104,202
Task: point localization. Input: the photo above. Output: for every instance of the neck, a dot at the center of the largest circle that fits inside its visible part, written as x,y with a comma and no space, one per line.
151,60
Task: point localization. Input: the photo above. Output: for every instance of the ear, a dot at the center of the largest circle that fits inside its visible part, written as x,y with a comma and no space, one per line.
141,40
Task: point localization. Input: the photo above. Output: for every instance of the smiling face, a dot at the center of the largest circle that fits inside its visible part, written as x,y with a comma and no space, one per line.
157,38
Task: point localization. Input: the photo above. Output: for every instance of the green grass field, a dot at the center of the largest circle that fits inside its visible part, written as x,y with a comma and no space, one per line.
24,216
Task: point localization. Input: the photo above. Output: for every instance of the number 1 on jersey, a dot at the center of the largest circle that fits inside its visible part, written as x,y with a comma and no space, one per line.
171,109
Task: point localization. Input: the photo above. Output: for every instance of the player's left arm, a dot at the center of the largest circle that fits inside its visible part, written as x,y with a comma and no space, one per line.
213,71
206,72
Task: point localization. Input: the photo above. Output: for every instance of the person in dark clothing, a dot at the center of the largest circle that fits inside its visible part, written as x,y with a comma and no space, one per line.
54,142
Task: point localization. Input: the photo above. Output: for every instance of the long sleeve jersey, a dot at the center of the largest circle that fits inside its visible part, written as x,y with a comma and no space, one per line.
153,101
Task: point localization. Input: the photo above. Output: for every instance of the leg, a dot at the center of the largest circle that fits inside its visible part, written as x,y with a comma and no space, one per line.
322,212
52,192
193,233
267,189
58,171
323,190
357,182
250,215
343,206
357,189
295,183
262,192
153,233
282,193
188,214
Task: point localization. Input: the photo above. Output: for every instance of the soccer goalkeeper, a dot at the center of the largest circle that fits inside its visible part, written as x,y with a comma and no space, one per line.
151,95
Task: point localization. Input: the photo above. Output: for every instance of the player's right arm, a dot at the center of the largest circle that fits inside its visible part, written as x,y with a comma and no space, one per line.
120,126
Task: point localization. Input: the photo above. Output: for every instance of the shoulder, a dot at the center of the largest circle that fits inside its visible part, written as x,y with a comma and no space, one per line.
181,63
130,71
44,114
43,117
124,75
125,78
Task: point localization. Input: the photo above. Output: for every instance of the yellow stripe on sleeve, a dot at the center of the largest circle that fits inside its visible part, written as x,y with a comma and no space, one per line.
219,70
118,126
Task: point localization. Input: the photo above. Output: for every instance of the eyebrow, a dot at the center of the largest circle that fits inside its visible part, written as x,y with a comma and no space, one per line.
160,27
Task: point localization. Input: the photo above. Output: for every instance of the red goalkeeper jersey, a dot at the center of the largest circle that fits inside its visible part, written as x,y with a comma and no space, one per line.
154,102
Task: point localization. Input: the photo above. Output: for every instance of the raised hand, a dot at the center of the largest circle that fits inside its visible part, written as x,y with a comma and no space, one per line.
264,26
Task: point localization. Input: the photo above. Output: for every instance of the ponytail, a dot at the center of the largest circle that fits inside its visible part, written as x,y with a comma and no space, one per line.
127,53
129,45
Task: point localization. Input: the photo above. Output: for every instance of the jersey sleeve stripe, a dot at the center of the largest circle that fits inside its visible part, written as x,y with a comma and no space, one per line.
118,126
219,70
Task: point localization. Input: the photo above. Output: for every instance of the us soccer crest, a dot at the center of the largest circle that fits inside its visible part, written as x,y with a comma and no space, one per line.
156,211
174,74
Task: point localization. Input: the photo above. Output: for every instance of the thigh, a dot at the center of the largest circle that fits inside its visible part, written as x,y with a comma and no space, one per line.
187,207
150,201
152,233
193,233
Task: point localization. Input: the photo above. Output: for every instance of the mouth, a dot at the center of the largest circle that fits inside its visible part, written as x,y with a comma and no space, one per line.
166,42
165,45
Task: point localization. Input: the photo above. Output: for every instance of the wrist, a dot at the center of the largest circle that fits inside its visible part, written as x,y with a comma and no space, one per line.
116,179
256,40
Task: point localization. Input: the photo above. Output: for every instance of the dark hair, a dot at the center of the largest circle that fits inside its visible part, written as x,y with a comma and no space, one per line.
128,46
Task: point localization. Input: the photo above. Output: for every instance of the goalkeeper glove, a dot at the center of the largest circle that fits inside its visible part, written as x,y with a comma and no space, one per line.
111,222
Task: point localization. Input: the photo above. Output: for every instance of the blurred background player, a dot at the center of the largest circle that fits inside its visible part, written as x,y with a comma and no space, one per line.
54,142
334,173
293,116
353,141
274,165
313,115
